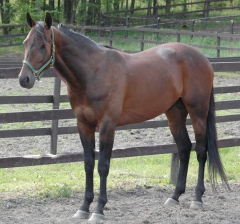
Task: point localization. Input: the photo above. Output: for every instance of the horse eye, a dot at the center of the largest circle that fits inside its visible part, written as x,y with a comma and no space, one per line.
42,46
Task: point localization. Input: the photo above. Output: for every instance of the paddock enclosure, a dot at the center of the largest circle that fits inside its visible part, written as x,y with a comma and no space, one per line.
55,115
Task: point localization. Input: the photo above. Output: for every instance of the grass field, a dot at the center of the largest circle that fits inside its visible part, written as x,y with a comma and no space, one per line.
62,180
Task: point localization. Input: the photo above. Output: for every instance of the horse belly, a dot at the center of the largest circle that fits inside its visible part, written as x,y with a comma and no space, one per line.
148,105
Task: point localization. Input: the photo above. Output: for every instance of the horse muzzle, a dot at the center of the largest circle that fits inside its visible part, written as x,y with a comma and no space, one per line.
26,79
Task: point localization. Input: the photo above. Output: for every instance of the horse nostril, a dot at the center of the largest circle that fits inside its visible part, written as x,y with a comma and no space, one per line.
24,81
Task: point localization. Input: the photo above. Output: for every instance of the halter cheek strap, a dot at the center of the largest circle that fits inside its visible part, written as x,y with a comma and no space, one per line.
38,73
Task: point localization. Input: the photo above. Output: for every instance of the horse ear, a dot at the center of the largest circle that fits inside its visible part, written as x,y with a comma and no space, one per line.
48,20
31,22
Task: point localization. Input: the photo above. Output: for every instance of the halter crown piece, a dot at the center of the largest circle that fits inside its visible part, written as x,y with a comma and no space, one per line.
38,73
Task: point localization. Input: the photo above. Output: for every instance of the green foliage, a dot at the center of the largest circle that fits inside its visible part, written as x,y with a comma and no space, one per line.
16,9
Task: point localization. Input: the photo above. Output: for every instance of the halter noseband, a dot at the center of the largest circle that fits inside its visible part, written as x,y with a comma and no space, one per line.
37,73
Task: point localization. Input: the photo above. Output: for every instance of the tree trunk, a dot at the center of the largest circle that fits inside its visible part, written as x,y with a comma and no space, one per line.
5,14
154,9
116,5
73,12
83,11
184,8
97,11
132,6
58,10
168,6
44,5
90,12
68,10
206,8
51,5
149,7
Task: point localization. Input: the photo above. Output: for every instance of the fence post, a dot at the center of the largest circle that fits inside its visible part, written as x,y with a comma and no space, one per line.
157,23
178,37
127,25
206,9
174,168
54,128
111,35
231,26
218,45
100,25
192,27
142,43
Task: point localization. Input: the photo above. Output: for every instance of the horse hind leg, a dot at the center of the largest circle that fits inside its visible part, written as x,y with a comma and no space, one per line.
203,121
199,123
177,118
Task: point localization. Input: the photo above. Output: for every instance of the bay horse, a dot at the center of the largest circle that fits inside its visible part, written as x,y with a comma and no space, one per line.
109,88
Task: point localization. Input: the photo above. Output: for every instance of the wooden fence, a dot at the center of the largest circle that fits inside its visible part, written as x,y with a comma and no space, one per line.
171,11
218,24
11,70
231,29
106,35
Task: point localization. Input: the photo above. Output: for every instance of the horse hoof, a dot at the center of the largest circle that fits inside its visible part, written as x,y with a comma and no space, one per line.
196,205
170,202
95,217
81,215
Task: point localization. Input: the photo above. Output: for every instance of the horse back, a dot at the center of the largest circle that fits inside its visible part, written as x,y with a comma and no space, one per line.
158,77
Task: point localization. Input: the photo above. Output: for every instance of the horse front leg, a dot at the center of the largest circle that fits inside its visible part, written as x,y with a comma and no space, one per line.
87,136
106,135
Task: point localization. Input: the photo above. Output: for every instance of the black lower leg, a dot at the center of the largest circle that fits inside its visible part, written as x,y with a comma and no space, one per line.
182,175
200,188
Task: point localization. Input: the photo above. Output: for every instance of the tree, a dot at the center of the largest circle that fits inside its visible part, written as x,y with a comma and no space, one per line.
5,14
132,6
116,5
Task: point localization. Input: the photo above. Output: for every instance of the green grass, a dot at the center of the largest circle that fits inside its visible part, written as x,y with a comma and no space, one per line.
11,50
63,180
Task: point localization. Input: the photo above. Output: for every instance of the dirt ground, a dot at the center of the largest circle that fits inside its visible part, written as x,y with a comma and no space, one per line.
135,206
138,205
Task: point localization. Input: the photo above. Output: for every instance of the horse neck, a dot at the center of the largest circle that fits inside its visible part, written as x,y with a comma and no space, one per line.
74,60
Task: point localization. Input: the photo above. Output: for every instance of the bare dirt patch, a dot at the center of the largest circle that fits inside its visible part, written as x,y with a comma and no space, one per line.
139,205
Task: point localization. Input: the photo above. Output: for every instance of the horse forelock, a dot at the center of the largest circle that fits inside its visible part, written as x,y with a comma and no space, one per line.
40,35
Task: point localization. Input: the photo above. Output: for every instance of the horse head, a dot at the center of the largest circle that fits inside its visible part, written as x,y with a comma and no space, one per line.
39,50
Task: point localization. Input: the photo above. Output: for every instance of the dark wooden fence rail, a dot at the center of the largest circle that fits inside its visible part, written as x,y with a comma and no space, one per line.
10,71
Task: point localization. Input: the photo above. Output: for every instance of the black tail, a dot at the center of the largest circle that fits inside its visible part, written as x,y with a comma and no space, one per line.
214,161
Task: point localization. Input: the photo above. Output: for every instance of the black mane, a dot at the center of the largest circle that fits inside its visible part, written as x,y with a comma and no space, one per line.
79,38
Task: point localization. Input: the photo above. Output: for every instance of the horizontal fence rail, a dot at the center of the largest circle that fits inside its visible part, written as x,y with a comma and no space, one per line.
32,160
